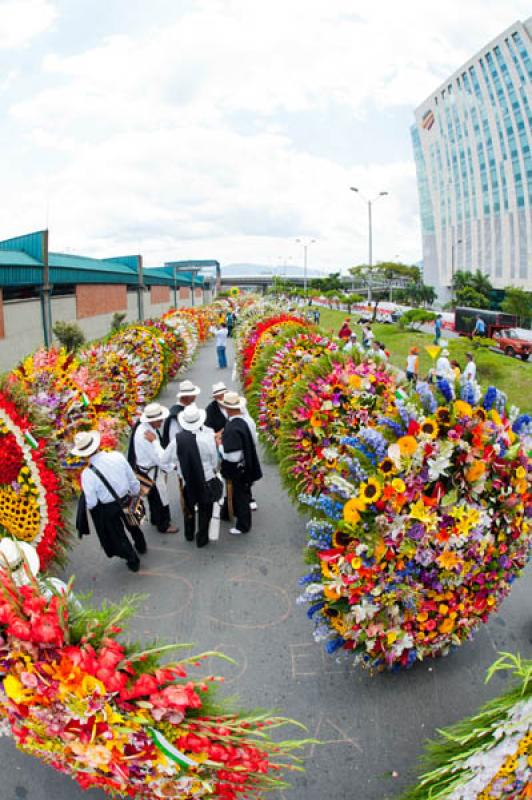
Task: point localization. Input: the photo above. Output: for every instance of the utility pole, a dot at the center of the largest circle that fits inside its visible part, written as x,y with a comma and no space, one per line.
370,233
306,244
140,289
46,291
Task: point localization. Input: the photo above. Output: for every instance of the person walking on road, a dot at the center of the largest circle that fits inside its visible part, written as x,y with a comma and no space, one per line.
437,329
186,395
220,338
480,327
194,451
146,456
108,482
240,464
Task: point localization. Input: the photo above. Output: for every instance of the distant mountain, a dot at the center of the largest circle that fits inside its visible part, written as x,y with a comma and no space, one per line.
255,270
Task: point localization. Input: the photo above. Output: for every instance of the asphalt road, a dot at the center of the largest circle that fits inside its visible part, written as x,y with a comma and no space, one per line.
239,596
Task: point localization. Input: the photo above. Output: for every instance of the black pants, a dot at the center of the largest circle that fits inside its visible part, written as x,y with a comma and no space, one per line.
111,529
241,501
204,518
159,514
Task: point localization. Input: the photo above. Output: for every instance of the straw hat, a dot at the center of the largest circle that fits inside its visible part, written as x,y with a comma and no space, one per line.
191,418
232,400
154,412
14,555
187,389
86,443
219,388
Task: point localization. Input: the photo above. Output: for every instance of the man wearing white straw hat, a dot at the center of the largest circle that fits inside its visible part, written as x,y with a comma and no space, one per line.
216,414
146,456
186,395
194,450
108,482
240,464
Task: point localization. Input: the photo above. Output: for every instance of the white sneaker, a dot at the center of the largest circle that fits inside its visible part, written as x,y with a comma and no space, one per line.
253,505
235,531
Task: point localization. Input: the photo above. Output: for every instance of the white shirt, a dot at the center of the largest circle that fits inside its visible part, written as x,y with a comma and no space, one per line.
246,416
117,471
221,337
148,454
470,371
411,362
443,367
207,450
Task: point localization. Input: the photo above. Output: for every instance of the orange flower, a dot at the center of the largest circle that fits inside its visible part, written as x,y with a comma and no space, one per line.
407,445
446,626
475,471
448,559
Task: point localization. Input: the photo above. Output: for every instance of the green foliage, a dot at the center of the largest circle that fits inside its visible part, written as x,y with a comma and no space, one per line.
332,282
519,303
70,335
472,289
468,296
416,317
118,321
351,300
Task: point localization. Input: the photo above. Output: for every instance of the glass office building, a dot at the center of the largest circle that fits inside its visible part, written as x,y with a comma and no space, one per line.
472,140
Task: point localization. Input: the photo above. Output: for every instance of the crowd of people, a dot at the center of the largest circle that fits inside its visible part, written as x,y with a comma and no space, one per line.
211,452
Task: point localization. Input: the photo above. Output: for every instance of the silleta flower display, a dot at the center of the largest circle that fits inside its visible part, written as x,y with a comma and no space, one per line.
488,756
261,334
420,500
113,717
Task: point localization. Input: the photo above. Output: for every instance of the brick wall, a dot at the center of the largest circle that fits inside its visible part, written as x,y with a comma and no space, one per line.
159,294
2,333
92,300
198,293
184,293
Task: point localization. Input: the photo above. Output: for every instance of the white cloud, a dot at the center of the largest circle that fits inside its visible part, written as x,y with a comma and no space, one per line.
23,20
174,140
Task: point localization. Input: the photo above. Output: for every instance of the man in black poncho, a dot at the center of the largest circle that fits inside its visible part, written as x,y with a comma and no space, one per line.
186,395
240,463
216,415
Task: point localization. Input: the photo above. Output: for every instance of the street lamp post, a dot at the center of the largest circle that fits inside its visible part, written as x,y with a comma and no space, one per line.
458,241
306,244
370,230
175,288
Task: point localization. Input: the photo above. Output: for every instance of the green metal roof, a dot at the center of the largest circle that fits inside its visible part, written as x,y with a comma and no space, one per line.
17,258
69,268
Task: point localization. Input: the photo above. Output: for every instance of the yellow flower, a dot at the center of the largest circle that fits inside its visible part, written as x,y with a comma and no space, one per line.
387,467
407,445
354,381
429,428
462,409
448,559
356,562
15,690
351,512
370,491
398,485
423,514
520,472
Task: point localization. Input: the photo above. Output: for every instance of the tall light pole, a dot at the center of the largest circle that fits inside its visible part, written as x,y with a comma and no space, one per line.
370,229
306,244
458,241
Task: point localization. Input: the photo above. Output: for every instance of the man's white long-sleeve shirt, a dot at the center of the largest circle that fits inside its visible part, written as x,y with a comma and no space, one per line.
148,454
207,450
117,471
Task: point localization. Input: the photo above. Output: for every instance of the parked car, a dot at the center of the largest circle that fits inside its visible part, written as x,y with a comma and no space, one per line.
514,342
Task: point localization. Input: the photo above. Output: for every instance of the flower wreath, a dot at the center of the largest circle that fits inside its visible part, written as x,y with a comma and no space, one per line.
262,334
125,379
146,345
32,502
489,755
113,717
425,530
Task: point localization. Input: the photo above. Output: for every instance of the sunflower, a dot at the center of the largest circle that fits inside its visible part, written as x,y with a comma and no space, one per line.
387,467
443,416
370,491
463,409
480,413
429,428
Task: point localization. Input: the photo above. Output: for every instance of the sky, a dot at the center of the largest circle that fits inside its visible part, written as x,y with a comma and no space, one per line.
224,129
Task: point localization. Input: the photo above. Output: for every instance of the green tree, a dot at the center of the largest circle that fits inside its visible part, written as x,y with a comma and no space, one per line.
118,320
415,318
351,300
384,271
69,334
519,303
472,289
331,282
469,296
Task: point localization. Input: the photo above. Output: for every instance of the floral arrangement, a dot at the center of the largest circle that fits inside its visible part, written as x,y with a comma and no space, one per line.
113,717
32,502
125,384
262,334
146,345
281,371
488,756
72,398
187,329
175,344
421,507
336,398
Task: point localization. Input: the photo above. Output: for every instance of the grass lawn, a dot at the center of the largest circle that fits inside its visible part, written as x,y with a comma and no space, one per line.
511,375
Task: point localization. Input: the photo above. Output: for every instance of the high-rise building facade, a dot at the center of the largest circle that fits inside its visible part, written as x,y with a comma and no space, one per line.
472,145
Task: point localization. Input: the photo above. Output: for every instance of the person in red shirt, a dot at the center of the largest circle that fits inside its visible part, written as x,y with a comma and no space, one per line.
345,331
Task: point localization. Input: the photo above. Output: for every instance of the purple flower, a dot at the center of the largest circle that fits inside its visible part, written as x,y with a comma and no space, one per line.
416,531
